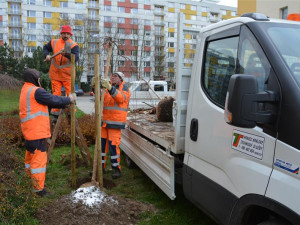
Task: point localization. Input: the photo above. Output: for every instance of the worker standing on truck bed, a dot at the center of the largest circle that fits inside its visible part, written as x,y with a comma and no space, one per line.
116,99
60,68
35,125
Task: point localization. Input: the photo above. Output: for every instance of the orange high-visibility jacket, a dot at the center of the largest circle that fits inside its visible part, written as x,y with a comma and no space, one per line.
34,116
60,68
116,106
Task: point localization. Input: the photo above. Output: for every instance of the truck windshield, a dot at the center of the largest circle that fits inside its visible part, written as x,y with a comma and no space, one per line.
287,41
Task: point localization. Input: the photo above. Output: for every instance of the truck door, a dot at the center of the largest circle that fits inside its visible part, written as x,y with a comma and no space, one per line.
224,162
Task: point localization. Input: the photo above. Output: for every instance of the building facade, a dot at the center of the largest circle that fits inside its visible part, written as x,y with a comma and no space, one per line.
143,31
273,8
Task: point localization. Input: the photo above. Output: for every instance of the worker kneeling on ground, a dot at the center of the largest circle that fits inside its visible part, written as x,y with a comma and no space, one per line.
116,99
35,125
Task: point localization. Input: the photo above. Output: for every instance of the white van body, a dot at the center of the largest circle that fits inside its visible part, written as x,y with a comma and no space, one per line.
143,97
234,143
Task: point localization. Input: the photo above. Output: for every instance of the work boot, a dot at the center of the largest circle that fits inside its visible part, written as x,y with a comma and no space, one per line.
44,192
117,173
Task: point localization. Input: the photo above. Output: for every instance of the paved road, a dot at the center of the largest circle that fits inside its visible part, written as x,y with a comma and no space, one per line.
86,104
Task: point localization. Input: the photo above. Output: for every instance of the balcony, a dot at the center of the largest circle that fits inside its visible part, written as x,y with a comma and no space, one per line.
15,37
93,51
93,17
17,48
14,24
93,6
159,33
14,12
93,40
159,54
157,12
159,23
18,1
95,29
159,43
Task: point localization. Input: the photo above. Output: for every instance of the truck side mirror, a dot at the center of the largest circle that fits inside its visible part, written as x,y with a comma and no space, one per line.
242,99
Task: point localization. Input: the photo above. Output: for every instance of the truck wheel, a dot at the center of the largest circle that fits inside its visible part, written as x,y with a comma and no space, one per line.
129,163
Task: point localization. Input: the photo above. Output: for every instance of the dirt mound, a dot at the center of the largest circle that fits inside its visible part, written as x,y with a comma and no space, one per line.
8,82
115,210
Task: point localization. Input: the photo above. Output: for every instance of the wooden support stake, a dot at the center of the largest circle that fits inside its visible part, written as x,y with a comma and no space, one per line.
73,131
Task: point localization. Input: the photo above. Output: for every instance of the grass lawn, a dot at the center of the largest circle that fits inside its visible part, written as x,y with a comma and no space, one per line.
9,100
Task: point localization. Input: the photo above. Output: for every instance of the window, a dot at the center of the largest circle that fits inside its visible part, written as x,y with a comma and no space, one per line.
134,63
47,37
171,4
30,2
63,16
147,43
78,17
134,11
31,37
31,25
107,30
171,34
121,63
31,49
121,0
31,13
147,32
134,1
284,12
147,2
182,6
203,9
194,7
79,39
122,41
134,42
107,19
252,59
146,53
171,54
221,56
121,52
223,12
158,87
147,12
77,27
171,25
134,21
121,20
107,8
63,4
171,64
193,17
121,9
47,3
147,22
47,15
134,31
47,26
78,5
147,64
171,44
133,53
1,36
121,30
233,13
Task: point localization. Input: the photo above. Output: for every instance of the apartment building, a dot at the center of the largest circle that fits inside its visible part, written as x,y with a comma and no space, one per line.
273,8
144,31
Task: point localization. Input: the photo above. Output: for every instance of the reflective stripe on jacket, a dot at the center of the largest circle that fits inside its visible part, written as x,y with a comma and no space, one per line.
60,68
34,116
116,106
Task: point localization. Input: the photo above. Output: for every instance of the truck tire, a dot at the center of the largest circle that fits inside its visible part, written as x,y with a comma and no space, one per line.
274,221
129,163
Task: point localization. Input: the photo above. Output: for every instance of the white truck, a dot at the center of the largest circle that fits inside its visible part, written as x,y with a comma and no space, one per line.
147,94
234,143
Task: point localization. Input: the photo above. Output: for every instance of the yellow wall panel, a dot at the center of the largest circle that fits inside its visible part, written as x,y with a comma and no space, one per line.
187,16
31,43
171,29
171,49
79,1
55,3
204,14
245,6
171,69
31,20
78,22
171,10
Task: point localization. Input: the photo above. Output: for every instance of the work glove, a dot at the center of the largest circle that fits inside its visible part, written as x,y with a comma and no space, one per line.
72,96
105,84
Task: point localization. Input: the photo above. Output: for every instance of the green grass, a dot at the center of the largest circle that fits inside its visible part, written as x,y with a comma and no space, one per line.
9,100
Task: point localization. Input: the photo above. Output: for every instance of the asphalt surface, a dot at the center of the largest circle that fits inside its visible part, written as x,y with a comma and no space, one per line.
86,104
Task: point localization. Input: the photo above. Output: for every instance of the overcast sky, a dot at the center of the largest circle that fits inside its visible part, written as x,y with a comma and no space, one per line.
229,2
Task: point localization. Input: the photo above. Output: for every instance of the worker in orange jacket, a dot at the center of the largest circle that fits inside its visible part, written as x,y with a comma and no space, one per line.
60,68
35,125
116,99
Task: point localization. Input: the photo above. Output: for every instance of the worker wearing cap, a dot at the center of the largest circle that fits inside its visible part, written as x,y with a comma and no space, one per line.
60,68
116,99
35,125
